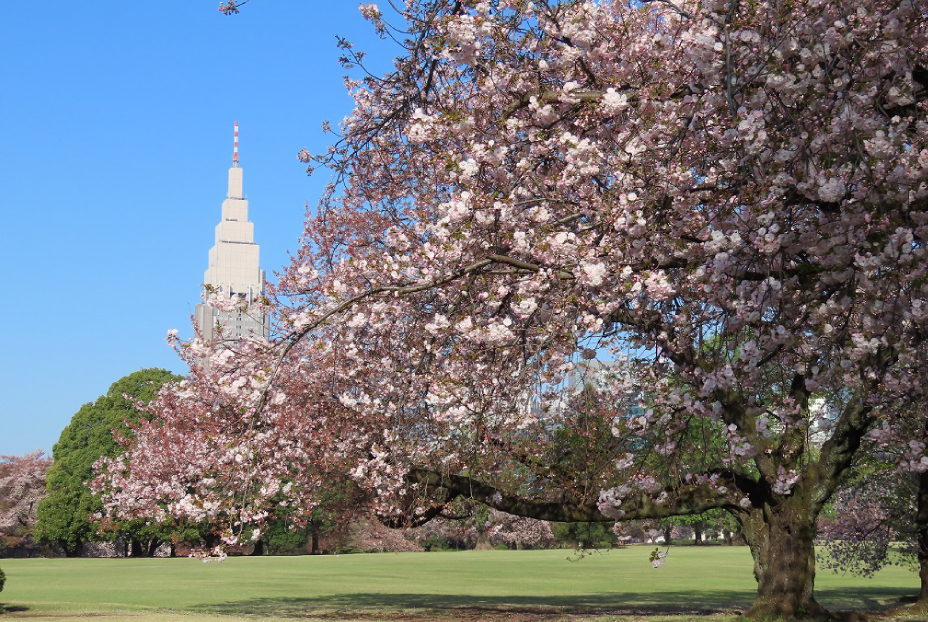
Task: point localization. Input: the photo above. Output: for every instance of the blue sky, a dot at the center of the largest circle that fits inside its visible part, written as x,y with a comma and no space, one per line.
115,140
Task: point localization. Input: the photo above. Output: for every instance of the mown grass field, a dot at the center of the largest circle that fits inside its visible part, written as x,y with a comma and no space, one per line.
526,586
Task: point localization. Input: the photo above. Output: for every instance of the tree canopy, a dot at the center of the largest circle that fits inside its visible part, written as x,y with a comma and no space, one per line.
729,199
65,514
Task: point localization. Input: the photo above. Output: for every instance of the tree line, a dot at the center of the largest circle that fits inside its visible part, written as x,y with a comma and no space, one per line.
48,507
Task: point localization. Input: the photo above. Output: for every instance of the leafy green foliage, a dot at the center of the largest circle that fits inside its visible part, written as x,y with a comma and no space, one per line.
584,535
2,579
64,516
284,540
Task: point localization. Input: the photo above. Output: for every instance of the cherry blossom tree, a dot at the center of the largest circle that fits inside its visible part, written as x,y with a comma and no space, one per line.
727,198
879,515
22,486
866,518
518,531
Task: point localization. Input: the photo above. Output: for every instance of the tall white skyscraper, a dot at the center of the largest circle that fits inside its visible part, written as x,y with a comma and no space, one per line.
234,268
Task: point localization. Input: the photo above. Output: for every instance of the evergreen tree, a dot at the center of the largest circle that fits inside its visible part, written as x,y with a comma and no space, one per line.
65,515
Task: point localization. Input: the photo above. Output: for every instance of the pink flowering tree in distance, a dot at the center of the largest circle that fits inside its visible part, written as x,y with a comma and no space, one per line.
879,514
22,486
727,198
518,531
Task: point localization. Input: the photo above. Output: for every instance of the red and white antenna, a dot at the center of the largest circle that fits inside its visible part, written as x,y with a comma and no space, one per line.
235,148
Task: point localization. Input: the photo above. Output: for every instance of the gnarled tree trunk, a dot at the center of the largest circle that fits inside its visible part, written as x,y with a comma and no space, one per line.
921,537
781,539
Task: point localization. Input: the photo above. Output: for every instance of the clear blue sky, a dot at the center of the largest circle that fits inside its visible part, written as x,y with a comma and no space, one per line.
115,140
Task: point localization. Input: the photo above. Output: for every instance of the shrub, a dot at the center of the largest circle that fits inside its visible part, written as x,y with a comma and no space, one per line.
2,579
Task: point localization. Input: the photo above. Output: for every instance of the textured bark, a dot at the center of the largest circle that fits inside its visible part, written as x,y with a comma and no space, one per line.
152,547
780,529
781,541
921,526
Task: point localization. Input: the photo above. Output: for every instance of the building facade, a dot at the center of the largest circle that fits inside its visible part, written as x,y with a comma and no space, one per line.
234,269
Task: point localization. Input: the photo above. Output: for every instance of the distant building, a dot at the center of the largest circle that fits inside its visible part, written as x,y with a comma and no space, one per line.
234,269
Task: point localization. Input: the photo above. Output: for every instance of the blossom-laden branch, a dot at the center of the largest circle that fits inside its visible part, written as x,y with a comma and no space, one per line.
692,500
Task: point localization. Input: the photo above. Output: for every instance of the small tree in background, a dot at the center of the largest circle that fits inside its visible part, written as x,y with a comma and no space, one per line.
879,516
519,532
586,535
864,519
22,486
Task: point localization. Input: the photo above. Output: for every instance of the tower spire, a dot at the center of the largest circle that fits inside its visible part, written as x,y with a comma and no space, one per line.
235,148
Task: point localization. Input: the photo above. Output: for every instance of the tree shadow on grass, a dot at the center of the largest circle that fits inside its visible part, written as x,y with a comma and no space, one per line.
864,599
465,607
416,607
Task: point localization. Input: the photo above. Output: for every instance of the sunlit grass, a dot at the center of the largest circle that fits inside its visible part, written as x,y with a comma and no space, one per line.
472,585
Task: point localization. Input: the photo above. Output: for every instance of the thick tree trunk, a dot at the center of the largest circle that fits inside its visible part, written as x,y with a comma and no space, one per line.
781,541
152,548
314,549
259,549
136,548
74,550
921,535
697,533
668,534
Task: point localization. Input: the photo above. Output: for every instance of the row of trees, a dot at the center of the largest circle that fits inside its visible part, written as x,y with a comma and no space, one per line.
728,198
23,486
22,480
46,502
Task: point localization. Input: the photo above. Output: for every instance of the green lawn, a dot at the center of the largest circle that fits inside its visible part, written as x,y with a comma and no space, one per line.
474,585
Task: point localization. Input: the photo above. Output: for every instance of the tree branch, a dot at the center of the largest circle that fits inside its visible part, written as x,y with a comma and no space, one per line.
684,501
